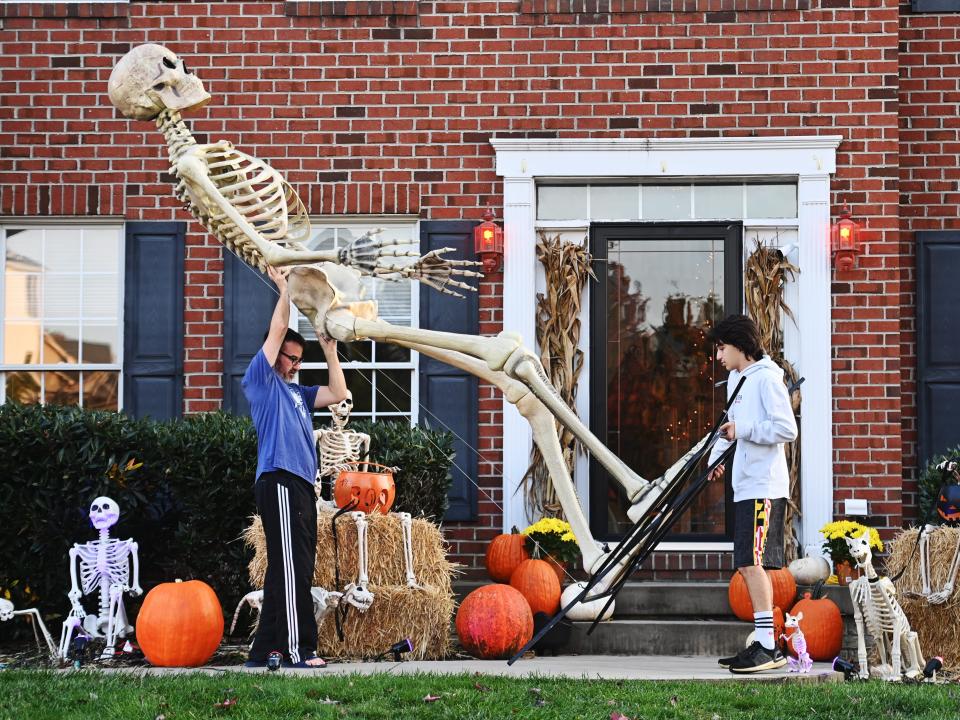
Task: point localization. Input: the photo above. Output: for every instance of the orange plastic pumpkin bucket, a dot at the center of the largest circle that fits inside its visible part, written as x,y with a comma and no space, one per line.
370,491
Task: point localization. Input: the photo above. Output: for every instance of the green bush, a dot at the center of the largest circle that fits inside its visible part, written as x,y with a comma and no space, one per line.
929,484
424,457
185,490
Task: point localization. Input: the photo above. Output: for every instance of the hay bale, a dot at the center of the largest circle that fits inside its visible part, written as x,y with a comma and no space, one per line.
397,612
938,626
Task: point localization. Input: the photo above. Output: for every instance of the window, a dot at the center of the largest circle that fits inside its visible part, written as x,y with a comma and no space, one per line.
381,376
61,335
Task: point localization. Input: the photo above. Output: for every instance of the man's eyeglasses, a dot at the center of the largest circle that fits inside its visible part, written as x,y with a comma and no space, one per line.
294,359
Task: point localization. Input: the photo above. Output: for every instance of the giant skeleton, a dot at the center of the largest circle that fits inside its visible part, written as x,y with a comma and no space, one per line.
248,206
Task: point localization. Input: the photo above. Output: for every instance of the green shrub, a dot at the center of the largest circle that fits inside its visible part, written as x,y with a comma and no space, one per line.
929,484
424,457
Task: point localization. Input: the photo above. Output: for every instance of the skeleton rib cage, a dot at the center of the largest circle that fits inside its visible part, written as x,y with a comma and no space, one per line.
104,559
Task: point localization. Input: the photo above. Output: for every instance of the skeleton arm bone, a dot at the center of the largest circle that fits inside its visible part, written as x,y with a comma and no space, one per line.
76,609
135,588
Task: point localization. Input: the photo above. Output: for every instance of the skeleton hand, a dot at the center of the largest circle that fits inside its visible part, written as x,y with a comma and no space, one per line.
438,272
136,590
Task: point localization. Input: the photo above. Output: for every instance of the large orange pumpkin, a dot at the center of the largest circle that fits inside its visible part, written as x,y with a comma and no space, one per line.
821,625
371,491
504,554
180,624
784,593
494,622
537,582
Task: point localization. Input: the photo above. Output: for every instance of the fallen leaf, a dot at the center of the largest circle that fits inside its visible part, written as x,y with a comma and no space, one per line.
481,688
226,704
328,701
431,698
674,701
611,702
615,715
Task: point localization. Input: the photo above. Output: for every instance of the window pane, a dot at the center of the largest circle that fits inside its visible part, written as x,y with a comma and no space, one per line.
101,250
562,202
721,202
62,293
21,343
100,390
100,295
359,382
62,251
62,388
23,387
61,343
614,202
23,295
101,344
771,201
391,353
393,390
25,250
666,202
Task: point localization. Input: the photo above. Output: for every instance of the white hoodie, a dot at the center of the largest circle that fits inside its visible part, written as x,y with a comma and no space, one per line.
764,421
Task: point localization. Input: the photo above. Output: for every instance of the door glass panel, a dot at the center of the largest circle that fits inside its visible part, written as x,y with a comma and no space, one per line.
662,298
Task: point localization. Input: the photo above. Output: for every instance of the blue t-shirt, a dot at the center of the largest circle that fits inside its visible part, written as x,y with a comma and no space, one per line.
281,416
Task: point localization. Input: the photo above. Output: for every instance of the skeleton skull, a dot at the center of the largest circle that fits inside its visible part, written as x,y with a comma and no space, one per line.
341,411
6,610
104,513
151,78
860,549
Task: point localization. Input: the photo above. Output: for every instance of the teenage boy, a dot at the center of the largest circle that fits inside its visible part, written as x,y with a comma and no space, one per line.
760,420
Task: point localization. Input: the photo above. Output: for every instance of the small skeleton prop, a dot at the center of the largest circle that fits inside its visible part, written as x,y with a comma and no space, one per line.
802,663
358,594
7,613
875,605
105,566
406,527
337,446
936,597
248,207
323,602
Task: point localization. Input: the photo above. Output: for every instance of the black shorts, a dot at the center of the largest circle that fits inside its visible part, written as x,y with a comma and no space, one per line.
758,532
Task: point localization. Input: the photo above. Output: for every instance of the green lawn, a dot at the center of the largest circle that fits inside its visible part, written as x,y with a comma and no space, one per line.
38,695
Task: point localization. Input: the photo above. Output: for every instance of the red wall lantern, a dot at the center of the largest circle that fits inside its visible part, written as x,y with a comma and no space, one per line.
488,243
845,241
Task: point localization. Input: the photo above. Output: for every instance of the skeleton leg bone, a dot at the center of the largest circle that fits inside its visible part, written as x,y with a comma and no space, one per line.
406,527
358,594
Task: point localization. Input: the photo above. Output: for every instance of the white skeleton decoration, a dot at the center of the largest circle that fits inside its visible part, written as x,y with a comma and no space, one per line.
104,565
875,606
323,602
406,527
7,612
337,447
358,593
248,207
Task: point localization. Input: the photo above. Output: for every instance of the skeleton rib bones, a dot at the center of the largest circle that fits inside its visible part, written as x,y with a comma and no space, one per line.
246,205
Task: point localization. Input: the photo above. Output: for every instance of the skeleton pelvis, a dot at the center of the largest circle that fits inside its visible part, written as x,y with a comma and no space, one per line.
320,290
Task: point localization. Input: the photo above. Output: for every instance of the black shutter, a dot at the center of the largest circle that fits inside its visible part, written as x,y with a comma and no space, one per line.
938,342
153,320
448,396
249,298
935,6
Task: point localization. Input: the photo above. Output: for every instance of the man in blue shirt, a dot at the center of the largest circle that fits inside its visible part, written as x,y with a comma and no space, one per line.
286,473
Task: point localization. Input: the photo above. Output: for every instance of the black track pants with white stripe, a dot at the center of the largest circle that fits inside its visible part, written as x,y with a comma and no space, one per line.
287,507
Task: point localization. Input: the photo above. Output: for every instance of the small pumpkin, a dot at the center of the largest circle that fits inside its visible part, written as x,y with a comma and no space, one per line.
180,624
504,554
494,622
822,625
368,491
810,570
784,593
538,583
584,611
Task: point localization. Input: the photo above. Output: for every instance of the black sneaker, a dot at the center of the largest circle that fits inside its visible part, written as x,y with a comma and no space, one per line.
757,658
727,661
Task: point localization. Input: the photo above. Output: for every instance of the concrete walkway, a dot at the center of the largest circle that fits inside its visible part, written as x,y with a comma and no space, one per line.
592,667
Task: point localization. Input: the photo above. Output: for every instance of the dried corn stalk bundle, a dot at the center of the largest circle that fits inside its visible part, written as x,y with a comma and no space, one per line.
566,267
765,274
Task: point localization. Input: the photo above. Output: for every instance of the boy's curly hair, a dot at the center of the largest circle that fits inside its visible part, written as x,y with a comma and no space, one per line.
741,332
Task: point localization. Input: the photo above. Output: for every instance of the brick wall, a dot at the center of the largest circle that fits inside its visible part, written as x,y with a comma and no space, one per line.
380,109
929,173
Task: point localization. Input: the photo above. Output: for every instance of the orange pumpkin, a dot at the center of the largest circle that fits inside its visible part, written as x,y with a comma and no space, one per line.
370,491
494,622
504,554
784,593
821,625
180,624
537,582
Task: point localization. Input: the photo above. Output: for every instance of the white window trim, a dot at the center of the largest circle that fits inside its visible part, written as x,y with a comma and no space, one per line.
371,221
78,224
808,160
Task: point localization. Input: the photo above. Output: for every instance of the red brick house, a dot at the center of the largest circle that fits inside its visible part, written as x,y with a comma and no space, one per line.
672,134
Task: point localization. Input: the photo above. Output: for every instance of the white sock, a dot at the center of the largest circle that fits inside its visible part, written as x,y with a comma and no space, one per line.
763,628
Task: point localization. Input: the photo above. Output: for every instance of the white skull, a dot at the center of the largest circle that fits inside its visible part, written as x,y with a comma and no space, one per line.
341,411
6,610
104,513
149,79
860,548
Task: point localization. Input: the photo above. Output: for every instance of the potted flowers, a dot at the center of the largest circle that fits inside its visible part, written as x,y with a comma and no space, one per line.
551,539
836,546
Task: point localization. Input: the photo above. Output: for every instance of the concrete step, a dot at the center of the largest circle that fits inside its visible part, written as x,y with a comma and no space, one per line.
659,637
